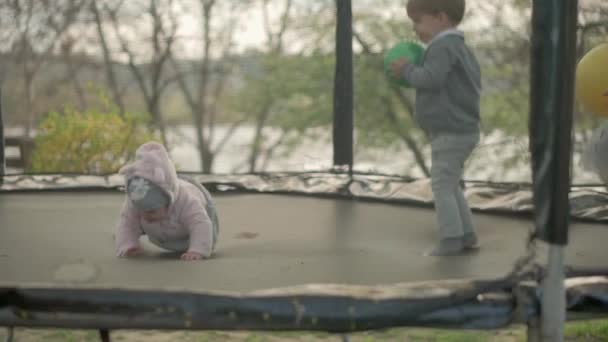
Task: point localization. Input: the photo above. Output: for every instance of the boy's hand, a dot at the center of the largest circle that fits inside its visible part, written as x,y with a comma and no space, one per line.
132,252
189,256
397,67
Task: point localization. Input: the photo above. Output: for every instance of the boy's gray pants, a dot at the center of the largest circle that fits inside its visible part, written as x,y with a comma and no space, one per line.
448,155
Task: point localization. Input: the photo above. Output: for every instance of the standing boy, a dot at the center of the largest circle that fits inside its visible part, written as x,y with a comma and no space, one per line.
448,85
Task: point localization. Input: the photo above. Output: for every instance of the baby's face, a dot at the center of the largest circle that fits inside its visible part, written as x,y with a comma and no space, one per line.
155,215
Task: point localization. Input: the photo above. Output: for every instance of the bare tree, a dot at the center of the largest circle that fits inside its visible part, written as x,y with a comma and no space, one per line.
203,83
39,26
67,49
508,23
274,46
106,53
200,118
151,73
390,113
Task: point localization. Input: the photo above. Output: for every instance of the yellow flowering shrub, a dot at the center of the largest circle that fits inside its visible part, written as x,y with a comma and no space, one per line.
89,142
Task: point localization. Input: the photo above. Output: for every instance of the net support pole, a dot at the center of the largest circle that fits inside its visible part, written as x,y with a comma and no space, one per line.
343,121
2,142
553,62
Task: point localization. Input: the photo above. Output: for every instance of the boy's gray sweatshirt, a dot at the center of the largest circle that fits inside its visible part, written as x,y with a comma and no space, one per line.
448,86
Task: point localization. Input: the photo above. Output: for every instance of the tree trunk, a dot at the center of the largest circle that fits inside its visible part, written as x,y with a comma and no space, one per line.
201,115
110,77
29,100
275,46
154,109
256,145
208,159
409,142
73,75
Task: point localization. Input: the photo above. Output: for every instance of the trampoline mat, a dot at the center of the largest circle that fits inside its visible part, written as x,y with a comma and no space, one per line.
266,241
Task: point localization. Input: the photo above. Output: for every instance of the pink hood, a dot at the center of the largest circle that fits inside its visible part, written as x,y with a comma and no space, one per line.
152,163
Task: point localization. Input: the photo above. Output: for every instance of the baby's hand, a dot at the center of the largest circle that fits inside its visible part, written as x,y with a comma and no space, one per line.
132,252
189,256
397,67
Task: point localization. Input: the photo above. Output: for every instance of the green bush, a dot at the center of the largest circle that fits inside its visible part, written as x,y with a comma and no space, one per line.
87,142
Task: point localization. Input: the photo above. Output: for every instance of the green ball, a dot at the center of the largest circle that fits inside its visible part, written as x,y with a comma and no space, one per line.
410,50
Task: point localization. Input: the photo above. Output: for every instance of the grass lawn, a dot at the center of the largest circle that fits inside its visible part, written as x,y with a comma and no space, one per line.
588,331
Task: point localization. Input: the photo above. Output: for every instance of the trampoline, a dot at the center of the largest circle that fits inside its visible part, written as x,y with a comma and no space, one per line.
297,251
269,240
331,251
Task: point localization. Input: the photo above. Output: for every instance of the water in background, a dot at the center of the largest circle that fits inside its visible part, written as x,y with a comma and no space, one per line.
499,158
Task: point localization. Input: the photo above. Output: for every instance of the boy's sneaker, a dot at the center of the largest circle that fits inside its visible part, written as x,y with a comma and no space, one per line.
451,246
469,241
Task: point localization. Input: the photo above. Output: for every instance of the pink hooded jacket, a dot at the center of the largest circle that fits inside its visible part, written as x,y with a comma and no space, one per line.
187,227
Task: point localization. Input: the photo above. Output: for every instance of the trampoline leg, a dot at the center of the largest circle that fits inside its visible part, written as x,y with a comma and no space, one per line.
10,334
104,335
553,309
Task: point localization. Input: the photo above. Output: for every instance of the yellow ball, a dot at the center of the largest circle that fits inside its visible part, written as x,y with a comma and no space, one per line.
592,81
